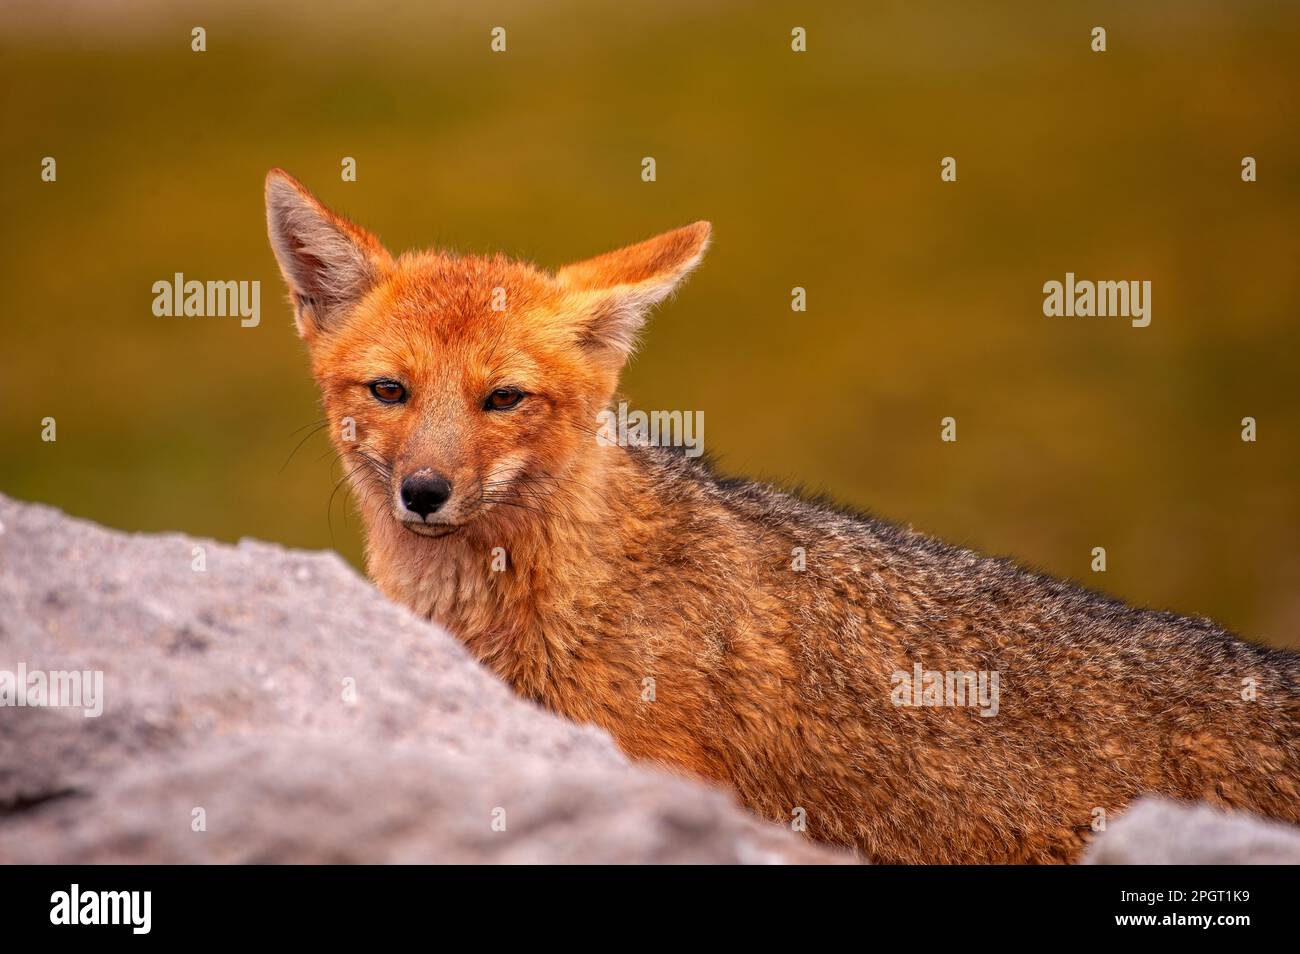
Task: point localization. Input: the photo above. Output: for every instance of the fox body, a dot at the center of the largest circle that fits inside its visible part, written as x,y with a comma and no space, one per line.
725,629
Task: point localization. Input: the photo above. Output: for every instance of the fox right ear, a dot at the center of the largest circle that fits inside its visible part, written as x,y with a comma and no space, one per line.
327,262
619,288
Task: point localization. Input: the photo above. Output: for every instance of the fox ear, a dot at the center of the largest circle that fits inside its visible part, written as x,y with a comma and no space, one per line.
327,262
619,288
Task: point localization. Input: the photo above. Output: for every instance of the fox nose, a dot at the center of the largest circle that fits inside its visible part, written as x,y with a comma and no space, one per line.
423,494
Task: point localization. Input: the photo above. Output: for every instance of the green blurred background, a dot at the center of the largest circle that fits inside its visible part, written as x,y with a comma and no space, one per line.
818,169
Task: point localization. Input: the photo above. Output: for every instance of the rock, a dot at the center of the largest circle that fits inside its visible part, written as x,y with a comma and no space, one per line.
1158,831
276,697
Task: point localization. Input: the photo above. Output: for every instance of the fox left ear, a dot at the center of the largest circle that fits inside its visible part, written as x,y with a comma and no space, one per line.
327,262
619,288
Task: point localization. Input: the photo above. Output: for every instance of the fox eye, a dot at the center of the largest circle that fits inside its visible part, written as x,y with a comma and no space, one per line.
503,399
390,392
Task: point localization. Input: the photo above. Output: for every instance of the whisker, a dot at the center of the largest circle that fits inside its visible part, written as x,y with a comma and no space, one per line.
309,424
310,434
520,506
329,506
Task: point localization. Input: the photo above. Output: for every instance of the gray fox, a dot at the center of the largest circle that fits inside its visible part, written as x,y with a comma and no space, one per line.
881,690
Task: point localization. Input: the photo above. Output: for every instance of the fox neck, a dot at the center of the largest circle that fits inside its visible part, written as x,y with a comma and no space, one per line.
518,587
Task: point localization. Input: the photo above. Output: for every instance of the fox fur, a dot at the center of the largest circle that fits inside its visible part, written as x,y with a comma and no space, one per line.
632,588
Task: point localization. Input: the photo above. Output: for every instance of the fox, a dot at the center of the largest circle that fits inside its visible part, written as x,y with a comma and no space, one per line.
798,653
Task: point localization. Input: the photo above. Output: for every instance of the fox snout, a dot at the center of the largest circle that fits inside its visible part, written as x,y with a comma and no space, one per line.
426,501
424,492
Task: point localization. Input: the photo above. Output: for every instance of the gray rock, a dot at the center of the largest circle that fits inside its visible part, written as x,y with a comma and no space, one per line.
224,690
1158,831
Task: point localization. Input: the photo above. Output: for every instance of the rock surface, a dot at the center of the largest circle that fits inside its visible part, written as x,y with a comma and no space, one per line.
277,698
224,691
1158,831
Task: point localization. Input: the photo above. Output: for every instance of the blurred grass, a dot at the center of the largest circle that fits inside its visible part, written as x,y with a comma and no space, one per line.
818,170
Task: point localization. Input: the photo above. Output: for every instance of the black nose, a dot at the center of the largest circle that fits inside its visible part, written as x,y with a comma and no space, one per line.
424,494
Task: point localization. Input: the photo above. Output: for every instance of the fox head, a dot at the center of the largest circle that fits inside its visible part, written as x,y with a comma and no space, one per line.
458,387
